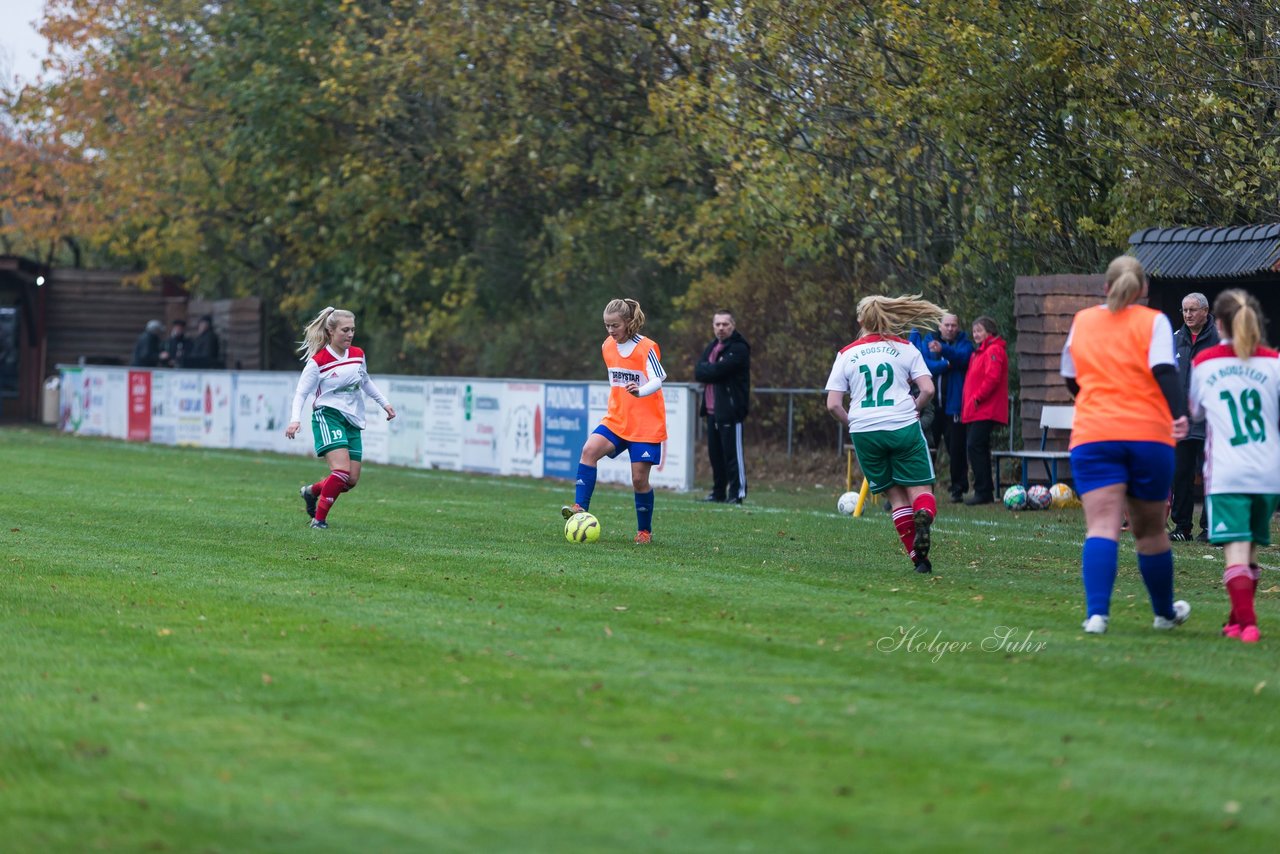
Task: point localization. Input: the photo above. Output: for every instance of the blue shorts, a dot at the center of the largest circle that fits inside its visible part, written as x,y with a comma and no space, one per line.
641,452
1146,467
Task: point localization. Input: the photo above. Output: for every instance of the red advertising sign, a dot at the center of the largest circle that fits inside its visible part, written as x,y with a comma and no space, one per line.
139,406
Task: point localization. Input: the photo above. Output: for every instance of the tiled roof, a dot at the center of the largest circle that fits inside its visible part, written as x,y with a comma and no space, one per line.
1208,253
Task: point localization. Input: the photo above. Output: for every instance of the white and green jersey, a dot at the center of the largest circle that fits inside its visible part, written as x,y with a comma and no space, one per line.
338,381
876,372
1240,403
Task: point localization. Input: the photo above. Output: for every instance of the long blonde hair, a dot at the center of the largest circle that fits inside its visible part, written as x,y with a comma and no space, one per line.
895,315
1241,317
1125,278
630,312
317,332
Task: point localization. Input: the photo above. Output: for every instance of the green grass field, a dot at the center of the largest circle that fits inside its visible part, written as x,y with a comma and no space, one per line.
185,666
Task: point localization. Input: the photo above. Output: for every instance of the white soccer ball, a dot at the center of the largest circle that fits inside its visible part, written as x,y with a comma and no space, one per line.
1015,497
1038,497
847,503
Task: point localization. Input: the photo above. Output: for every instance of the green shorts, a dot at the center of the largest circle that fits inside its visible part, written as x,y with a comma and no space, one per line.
332,430
894,457
1235,517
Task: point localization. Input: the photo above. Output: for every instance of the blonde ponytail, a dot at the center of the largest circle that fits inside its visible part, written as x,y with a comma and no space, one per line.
1125,280
1241,317
316,334
630,312
895,315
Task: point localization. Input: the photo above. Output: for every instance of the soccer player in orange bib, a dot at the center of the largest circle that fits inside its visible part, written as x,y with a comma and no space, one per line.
333,384
1118,362
637,418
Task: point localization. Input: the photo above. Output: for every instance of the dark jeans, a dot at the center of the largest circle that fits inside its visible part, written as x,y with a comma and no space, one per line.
978,446
953,434
1188,458
728,469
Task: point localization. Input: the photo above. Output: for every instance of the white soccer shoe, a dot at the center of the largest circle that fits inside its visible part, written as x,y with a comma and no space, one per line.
1095,625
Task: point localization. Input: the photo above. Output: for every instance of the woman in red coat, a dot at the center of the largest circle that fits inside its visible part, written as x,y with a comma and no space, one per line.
986,404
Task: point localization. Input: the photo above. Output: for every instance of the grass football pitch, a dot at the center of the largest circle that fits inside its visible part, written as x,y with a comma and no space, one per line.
186,666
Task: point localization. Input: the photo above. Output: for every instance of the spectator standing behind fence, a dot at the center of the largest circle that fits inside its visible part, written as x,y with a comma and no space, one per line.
954,348
1234,385
175,349
725,370
1130,412
986,404
876,372
1198,333
204,349
146,350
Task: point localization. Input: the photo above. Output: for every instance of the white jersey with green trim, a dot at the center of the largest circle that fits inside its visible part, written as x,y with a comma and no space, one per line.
876,372
337,381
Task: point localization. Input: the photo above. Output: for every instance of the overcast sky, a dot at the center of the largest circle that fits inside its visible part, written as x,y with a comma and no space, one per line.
21,47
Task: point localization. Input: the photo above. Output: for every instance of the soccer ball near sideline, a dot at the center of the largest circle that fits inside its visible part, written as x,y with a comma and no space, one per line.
1015,498
582,528
847,503
1061,495
1038,497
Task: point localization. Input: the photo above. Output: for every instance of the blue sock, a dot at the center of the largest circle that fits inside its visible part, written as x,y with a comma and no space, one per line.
644,511
1157,574
1098,569
586,484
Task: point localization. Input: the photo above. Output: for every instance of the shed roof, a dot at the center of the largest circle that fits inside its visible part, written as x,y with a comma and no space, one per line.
1208,253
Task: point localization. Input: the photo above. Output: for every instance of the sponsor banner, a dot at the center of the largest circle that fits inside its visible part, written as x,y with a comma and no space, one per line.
261,411
71,400
481,426
215,409
164,414
186,398
139,429
520,441
528,428
444,420
407,434
565,428
104,402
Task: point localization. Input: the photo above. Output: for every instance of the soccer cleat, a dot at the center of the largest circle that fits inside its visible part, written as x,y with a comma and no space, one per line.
923,566
1250,634
643,538
570,510
1095,625
1180,537
1181,610
1203,537
309,500
923,520
1232,630
319,523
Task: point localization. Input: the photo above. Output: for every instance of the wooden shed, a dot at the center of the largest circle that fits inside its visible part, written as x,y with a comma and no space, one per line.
53,316
1178,261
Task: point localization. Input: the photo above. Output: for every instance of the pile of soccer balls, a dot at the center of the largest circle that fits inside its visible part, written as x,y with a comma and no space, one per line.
1040,497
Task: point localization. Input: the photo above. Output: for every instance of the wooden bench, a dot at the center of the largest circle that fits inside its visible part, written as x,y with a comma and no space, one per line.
1051,418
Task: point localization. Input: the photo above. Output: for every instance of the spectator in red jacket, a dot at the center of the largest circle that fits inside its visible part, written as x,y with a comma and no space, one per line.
986,404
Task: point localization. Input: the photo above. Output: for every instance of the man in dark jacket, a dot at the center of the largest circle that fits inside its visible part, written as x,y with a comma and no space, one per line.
725,370
203,350
1198,333
146,350
175,349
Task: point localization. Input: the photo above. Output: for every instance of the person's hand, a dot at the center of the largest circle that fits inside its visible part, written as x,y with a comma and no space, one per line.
1181,426
935,347
633,389
292,429
391,411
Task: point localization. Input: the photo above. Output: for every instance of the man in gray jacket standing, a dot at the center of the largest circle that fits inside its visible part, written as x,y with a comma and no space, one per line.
1198,333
